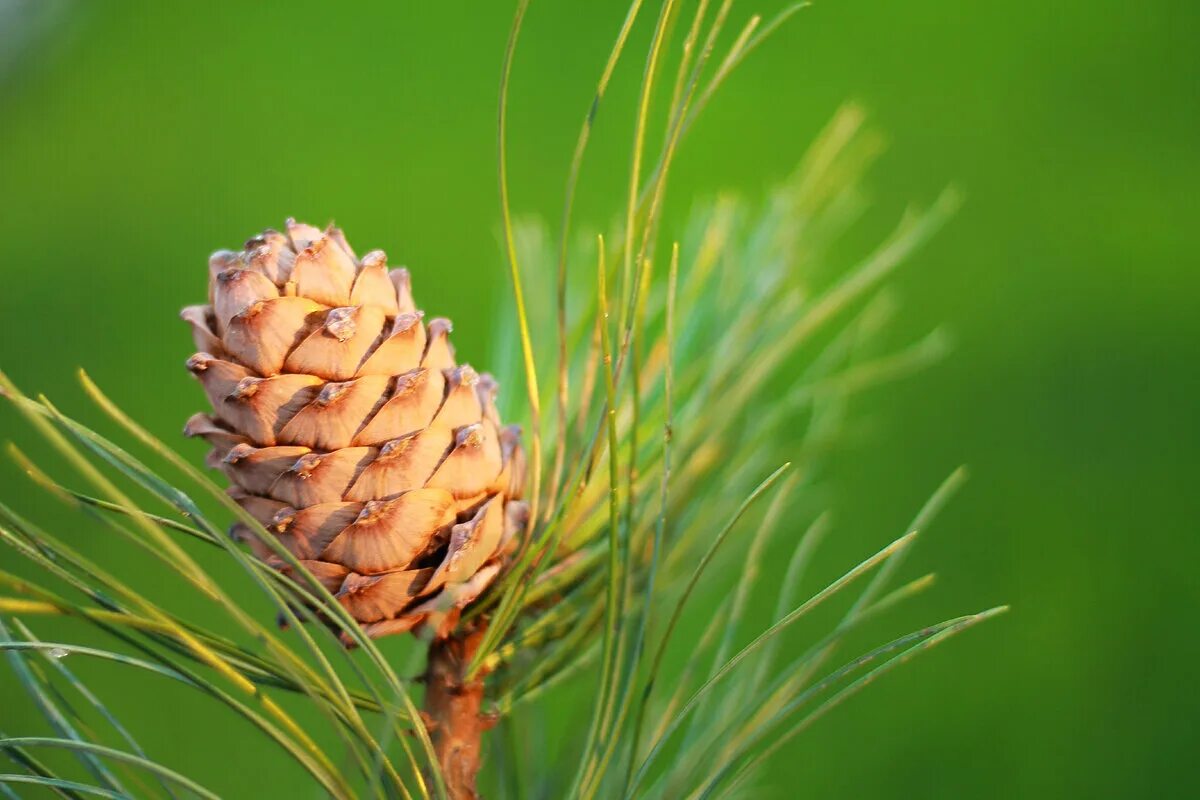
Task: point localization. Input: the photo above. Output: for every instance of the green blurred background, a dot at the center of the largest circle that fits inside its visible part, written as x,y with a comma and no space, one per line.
137,137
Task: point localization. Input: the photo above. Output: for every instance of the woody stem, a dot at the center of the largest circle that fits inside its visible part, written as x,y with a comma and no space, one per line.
453,707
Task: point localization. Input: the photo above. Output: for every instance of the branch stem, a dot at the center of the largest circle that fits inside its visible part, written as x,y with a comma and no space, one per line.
453,710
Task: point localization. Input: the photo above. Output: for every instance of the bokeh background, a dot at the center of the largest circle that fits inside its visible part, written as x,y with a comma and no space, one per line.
135,137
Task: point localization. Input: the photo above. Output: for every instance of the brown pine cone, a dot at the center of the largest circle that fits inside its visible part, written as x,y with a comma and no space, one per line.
349,431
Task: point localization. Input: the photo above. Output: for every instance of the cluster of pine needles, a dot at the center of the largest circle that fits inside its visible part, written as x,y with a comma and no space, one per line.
696,384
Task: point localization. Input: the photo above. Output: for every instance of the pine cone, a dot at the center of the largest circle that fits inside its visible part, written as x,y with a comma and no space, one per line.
349,431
